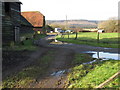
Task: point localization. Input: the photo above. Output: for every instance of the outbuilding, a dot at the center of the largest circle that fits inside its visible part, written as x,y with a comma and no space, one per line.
37,19
13,24
100,31
10,22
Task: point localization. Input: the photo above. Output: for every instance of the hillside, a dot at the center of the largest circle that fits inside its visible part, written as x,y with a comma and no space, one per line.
75,23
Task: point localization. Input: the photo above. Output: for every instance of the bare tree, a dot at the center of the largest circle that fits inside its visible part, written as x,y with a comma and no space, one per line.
76,32
110,25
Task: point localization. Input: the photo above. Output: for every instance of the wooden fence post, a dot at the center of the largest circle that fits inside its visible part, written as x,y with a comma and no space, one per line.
98,37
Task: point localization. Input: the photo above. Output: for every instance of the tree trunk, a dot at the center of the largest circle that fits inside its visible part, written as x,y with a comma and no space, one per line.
76,35
68,35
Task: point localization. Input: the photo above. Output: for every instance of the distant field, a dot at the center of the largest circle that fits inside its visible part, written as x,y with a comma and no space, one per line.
106,39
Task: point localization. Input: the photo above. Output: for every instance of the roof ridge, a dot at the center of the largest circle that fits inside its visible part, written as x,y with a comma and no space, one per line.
32,11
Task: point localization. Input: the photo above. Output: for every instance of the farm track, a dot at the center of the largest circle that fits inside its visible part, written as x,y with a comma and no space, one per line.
62,60
15,61
83,48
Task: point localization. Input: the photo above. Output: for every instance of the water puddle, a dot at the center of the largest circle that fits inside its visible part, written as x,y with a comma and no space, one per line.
101,56
104,55
56,42
107,48
90,62
59,73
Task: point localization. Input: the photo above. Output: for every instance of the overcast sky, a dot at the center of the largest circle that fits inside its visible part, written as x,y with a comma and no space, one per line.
74,9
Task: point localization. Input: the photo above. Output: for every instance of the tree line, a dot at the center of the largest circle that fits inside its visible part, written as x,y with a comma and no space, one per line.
109,26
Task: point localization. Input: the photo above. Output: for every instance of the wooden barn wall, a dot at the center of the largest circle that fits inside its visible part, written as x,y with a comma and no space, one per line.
26,30
7,31
15,13
9,22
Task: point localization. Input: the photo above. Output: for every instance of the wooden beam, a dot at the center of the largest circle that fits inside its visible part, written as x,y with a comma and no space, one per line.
110,79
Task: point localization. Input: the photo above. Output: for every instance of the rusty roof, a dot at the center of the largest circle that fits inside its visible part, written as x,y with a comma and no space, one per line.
34,17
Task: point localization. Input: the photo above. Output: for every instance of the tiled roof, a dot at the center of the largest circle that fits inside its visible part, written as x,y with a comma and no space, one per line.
34,17
23,21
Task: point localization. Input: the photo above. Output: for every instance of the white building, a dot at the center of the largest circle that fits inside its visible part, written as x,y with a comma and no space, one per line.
57,29
100,31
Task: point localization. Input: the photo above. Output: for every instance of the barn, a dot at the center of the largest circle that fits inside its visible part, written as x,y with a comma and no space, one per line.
13,24
10,24
26,29
37,19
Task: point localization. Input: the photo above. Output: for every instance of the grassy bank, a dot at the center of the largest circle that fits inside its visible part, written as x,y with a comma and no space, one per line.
26,44
91,75
106,39
17,53
29,74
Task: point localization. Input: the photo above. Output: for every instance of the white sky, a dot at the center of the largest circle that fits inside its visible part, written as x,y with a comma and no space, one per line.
74,9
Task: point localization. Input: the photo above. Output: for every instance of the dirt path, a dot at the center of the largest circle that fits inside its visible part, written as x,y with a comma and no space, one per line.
19,60
56,76
80,48
83,48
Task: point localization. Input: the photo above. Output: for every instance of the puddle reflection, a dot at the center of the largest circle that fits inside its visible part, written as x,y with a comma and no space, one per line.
59,73
104,55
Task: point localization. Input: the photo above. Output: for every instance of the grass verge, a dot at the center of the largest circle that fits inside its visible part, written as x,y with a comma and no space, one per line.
25,45
91,75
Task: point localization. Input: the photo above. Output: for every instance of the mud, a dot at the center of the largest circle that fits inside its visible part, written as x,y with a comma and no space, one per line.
56,76
15,61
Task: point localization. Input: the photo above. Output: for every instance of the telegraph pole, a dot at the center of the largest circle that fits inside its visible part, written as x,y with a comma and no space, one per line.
67,26
66,21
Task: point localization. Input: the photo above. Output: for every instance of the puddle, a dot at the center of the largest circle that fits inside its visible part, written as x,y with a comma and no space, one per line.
104,55
107,48
90,62
59,73
56,42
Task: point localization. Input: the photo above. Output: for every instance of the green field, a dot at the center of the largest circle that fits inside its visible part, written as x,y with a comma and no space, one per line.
105,39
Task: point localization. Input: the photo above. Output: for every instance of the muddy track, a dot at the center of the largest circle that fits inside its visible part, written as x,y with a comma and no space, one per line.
62,60
22,62
83,48
79,48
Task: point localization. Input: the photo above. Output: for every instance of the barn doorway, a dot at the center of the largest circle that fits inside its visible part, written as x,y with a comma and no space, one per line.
17,34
